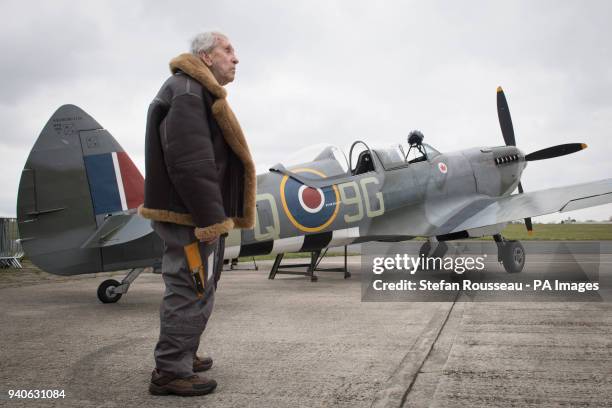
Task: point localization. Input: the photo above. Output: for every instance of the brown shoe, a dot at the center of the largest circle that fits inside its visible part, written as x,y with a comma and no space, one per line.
202,364
164,384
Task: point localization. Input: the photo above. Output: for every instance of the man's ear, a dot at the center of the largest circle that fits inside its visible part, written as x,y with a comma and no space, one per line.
206,58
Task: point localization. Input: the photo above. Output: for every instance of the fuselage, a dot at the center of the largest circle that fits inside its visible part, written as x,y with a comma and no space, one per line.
393,199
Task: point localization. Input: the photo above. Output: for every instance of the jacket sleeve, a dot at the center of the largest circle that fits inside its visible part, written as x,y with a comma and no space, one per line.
189,157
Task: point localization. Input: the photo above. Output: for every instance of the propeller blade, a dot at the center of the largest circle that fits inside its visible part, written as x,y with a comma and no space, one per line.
505,121
555,151
528,222
529,225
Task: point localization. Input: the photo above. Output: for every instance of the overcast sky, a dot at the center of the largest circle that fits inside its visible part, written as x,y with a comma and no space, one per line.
326,72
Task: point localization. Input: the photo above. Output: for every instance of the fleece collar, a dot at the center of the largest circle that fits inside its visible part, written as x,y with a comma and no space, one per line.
198,70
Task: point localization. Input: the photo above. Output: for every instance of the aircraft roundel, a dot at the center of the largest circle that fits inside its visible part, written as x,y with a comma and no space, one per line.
309,209
311,199
442,167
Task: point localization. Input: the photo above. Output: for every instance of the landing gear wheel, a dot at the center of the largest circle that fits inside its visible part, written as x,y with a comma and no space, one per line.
513,256
106,292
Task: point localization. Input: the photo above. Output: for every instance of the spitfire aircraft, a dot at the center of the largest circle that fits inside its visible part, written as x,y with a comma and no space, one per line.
79,191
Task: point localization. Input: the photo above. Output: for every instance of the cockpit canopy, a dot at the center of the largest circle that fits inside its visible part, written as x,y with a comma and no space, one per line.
323,161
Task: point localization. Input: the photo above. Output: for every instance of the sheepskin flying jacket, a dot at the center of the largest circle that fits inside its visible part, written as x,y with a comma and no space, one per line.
199,170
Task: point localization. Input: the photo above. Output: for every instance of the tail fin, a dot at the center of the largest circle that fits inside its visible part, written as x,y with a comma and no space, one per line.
75,177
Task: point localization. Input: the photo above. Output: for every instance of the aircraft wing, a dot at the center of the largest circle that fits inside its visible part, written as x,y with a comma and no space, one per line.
484,212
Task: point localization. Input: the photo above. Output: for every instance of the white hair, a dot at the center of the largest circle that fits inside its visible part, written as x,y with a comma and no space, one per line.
205,42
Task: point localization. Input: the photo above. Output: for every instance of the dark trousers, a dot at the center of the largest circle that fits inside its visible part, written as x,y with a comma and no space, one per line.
183,315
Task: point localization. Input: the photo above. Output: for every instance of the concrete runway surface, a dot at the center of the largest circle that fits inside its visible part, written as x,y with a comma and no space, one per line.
290,342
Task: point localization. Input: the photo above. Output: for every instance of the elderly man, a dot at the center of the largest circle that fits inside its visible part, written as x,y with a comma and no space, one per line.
200,183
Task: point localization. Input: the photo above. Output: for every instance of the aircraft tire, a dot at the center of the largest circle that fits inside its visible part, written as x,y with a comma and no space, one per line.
513,256
103,292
